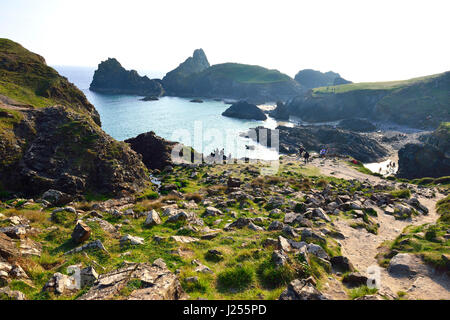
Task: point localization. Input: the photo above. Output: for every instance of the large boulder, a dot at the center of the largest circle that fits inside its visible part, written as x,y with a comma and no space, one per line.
245,110
8,248
112,78
406,265
430,158
81,232
157,283
155,151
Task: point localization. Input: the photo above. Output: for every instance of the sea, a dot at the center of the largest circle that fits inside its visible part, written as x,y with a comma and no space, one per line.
200,125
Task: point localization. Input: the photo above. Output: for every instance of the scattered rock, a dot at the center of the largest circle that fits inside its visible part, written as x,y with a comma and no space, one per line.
157,283
81,233
133,240
152,219
405,265
354,279
301,290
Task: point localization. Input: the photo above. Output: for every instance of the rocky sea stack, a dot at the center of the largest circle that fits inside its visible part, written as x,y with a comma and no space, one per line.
174,81
112,78
245,110
50,136
196,78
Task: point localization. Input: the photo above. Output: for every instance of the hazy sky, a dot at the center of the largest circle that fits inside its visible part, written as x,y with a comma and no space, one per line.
361,40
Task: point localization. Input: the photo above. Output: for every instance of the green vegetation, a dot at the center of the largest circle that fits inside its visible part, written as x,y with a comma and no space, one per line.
238,278
388,85
361,292
401,194
245,73
26,78
427,240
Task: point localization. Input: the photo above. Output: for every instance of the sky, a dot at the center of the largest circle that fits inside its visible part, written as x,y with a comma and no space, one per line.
362,40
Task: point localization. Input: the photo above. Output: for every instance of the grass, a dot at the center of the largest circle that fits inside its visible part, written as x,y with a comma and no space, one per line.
387,85
401,194
236,278
245,269
245,73
361,292
426,240
26,78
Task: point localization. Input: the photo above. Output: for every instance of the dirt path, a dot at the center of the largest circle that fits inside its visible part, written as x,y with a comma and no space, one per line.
361,247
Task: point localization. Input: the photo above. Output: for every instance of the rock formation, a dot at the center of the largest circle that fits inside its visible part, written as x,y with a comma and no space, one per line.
174,81
195,78
55,142
157,283
431,158
358,125
418,103
337,141
112,78
155,151
245,110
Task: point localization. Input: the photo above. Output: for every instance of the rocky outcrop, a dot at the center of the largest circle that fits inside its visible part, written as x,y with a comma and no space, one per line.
406,265
314,79
245,110
112,78
56,148
281,112
337,141
195,78
338,81
157,283
431,158
174,81
359,125
29,75
56,142
155,151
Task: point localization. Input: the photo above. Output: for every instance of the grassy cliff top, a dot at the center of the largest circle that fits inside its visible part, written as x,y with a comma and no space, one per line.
26,78
388,85
245,73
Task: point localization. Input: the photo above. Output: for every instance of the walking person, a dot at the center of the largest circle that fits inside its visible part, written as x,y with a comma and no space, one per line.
306,156
300,151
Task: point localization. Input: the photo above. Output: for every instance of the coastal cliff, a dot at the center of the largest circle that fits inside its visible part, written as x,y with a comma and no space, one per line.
419,103
50,136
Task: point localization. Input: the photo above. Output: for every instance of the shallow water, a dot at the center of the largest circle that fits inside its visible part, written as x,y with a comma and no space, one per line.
383,167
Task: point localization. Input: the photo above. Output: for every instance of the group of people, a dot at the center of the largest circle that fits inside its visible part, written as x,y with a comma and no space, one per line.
390,168
220,154
302,151
305,153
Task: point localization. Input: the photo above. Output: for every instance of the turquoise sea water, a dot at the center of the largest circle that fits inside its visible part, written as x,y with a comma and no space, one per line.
200,125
